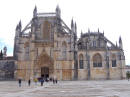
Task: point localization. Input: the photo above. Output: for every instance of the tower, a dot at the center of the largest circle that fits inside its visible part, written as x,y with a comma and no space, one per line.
18,34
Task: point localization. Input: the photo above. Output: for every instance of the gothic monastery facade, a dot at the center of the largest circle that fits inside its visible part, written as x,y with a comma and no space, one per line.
47,47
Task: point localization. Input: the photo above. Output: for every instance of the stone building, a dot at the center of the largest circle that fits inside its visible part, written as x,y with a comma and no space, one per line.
47,47
7,66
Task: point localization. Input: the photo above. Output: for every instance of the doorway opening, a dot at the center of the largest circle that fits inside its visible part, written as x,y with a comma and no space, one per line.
45,72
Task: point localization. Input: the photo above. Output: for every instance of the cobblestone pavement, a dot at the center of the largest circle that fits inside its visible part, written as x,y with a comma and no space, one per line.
102,88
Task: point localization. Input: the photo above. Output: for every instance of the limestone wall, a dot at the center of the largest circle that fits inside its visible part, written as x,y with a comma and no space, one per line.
7,69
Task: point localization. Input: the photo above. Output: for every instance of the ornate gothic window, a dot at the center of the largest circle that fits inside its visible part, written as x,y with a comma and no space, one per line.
81,61
97,60
113,60
64,47
46,30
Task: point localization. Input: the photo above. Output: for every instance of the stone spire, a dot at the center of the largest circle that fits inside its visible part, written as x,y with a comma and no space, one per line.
75,27
35,12
88,30
58,11
17,27
20,25
72,25
98,30
116,44
120,43
17,31
81,33
75,30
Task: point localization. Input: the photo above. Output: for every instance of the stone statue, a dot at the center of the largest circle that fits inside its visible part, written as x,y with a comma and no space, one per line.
5,51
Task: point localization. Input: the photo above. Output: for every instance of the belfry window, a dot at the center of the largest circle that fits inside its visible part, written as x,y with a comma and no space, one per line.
97,60
81,61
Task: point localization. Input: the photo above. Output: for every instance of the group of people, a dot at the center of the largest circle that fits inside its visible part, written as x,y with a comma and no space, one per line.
20,82
41,80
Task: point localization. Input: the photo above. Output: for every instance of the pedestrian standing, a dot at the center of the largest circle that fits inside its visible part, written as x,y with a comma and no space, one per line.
29,82
53,81
42,81
35,80
56,81
19,81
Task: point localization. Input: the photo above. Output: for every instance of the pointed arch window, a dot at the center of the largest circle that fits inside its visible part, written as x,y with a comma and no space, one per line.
113,60
81,64
97,60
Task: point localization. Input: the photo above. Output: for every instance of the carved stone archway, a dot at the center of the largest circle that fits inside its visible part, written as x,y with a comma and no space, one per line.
44,61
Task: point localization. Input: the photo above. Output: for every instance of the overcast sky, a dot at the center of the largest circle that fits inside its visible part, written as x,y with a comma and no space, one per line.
112,16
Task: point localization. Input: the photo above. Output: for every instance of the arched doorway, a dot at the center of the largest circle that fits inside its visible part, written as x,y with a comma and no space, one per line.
44,66
45,72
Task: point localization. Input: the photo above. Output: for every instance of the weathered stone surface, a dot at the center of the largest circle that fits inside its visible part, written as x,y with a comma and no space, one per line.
7,69
102,88
51,44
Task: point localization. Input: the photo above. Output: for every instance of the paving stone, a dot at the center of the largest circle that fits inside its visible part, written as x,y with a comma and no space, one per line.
102,88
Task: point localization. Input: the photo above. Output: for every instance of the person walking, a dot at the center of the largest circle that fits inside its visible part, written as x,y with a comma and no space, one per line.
19,81
53,81
29,82
35,80
42,81
56,80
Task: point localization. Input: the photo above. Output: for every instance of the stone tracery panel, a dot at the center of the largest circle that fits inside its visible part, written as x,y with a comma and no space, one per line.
97,60
46,30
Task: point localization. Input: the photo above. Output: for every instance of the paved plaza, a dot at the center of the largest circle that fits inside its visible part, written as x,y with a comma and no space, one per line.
102,88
